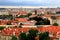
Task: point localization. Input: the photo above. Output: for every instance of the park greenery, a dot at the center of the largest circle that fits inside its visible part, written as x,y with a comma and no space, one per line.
31,34
44,36
14,38
2,27
40,21
55,24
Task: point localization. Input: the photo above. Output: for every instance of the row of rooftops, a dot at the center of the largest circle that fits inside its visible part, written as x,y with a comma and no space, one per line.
45,14
17,21
21,12
53,30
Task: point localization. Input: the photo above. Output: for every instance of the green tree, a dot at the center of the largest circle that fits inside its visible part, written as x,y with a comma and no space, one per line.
22,36
1,27
46,22
14,38
55,24
29,14
21,25
44,36
40,21
32,34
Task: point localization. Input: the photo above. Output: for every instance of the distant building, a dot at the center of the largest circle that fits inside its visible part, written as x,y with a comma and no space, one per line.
35,11
4,13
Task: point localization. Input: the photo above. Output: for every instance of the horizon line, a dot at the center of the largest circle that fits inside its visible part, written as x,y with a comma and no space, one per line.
29,7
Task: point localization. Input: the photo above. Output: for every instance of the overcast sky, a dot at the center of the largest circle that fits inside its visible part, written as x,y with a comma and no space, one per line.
29,2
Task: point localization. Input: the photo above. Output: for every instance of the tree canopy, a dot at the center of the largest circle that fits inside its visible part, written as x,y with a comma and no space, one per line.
14,38
40,21
55,24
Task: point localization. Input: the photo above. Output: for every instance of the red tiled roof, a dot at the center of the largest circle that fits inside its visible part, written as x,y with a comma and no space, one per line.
52,29
22,19
9,31
3,22
22,13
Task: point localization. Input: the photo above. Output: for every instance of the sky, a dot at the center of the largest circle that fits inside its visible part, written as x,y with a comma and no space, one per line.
29,2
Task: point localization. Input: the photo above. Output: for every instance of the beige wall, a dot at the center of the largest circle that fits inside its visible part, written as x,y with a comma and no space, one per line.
4,13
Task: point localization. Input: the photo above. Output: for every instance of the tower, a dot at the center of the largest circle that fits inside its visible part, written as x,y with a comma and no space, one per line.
35,11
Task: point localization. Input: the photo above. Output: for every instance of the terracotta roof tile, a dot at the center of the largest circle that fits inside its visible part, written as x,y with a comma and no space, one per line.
22,19
22,12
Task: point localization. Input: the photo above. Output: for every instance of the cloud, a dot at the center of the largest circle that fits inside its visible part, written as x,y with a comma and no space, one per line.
14,0
31,2
11,1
